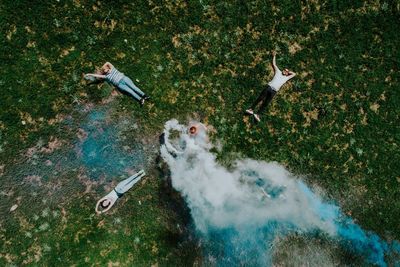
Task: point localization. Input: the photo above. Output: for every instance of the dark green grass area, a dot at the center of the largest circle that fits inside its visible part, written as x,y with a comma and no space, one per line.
337,122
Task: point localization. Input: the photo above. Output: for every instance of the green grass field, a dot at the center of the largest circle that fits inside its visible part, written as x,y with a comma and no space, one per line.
336,124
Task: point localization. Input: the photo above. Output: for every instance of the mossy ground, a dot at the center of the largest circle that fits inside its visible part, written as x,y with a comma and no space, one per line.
337,122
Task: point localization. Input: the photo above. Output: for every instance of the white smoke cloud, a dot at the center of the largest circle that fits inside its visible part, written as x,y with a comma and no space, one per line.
250,195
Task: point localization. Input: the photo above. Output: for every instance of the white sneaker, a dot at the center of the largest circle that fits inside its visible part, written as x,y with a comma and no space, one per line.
249,111
257,117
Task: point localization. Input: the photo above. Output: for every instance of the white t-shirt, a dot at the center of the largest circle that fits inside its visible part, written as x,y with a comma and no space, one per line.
279,80
112,196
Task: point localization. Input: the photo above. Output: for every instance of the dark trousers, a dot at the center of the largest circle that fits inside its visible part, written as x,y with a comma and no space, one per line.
264,98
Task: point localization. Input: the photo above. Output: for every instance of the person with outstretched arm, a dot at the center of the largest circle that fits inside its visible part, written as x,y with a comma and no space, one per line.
279,79
110,74
105,204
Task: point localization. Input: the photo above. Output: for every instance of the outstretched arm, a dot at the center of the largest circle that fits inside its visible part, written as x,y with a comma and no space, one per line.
274,62
100,76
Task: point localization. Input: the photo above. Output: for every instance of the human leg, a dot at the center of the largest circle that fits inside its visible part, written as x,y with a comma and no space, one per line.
128,183
123,86
260,98
130,83
270,93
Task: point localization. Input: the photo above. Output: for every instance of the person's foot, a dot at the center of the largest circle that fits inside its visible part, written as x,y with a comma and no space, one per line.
142,101
249,111
257,117
146,97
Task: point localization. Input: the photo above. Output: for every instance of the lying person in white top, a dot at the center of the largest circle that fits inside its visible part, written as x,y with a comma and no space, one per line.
279,79
105,204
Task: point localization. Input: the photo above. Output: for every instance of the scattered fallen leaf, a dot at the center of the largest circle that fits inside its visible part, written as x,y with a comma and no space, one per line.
57,119
121,55
11,32
175,41
53,144
374,107
348,127
364,120
34,179
66,51
112,264
26,118
294,48
31,44
29,30
77,3
113,24
81,134
309,116
172,96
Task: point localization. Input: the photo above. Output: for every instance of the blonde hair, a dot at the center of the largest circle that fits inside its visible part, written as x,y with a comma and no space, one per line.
104,69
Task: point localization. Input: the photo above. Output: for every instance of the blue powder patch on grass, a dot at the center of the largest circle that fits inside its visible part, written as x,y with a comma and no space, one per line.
105,150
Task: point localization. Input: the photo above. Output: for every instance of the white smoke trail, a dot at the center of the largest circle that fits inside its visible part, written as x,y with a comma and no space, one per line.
247,206
250,195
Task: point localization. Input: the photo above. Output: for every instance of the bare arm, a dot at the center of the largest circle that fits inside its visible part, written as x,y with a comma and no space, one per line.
274,62
109,65
100,76
99,211
291,74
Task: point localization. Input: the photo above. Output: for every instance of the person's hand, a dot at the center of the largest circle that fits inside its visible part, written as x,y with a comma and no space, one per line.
291,74
89,77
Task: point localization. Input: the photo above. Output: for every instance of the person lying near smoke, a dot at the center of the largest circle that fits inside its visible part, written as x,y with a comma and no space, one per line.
279,79
105,204
196,132
110,74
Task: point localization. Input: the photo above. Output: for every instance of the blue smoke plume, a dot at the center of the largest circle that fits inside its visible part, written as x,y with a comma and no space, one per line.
350,234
